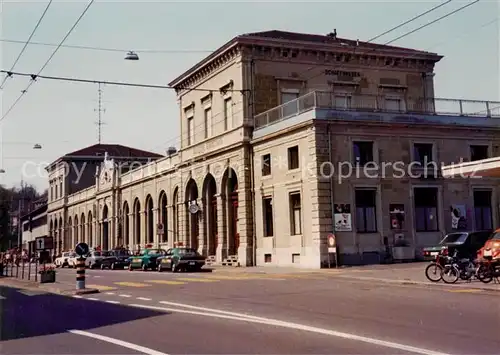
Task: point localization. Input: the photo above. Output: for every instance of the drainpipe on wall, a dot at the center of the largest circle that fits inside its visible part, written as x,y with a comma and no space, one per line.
252,166
332,184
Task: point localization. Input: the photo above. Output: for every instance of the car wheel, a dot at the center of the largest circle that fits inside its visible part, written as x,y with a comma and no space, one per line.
144,267
112,267
175,268
102,267
159,268
130,268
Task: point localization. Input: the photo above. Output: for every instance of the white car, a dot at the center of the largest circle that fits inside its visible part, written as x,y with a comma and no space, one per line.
63,260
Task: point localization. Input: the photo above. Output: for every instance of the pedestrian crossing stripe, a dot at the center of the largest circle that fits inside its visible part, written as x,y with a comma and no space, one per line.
101,287
131,284
166,282
223,277
195,279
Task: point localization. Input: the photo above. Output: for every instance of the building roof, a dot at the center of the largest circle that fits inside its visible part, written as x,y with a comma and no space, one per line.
278,37
113,150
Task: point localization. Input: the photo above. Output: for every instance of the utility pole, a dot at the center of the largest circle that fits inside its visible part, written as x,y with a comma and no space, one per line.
19,210
100,110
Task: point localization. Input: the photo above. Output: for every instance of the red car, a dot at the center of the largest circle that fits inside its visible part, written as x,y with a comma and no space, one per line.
491,248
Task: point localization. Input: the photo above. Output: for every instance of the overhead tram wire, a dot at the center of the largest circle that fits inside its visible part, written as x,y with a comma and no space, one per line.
433,22
105,49
408,21
33,76
27,43
114,83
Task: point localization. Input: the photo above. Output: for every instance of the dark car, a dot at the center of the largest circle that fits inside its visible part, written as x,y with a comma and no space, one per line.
116,259
176,259
466,243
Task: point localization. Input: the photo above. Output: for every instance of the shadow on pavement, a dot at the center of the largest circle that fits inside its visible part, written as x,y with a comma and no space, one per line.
26,313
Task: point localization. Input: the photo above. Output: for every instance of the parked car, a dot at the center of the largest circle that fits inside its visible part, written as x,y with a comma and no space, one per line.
466,243
176,259
491,247
145,260
94,259
62,261
116,259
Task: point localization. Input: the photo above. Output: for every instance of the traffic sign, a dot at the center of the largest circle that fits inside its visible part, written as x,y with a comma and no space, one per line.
82,249
332,243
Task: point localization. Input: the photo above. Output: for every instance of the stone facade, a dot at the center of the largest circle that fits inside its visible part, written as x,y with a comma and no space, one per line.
214,195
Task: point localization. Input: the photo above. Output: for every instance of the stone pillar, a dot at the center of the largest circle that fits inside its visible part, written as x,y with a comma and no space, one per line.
245,227
221,251
202,230
169,227
156,218
182,232
144,226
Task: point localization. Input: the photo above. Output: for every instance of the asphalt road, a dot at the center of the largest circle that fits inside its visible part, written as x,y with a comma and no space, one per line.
319,313
43,323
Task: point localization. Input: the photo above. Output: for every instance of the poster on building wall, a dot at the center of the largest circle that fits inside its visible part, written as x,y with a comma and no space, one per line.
342,217
397,215
458,217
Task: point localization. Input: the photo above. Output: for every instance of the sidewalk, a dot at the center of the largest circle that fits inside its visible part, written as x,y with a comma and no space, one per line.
56,287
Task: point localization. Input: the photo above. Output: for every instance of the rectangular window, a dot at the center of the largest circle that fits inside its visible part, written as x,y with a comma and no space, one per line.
228,114
482,210
426,205
363,153
393,105
289,105
208,122
267,205
295,214
366,210
293,157
56,192
478,152
422,153
266,165
61,188
190,129
343,102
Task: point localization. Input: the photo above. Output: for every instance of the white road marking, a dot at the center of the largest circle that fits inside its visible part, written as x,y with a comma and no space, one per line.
125,296
96,276
113,302
109,293
349,336
144,299
138,348
3,298
93,299
76,296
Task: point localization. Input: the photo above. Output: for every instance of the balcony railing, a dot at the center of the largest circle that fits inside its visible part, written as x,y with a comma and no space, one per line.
376,103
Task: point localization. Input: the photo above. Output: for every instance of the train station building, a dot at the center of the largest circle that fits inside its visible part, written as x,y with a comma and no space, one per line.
286,139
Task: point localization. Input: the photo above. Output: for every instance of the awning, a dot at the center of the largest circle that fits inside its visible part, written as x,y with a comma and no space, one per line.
480,168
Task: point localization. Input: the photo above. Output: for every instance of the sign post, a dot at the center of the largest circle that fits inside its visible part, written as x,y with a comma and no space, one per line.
332,249
81,250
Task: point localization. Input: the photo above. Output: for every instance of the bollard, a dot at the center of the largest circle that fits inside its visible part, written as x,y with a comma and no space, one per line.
17,270
29,269
22,271
80,273
36,271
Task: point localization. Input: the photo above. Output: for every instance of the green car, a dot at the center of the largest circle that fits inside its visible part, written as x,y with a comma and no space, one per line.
146,260
177,259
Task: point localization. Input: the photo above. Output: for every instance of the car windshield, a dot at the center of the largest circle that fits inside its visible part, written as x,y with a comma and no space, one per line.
154,252
495,236
97,253
105,253
122,253
454,238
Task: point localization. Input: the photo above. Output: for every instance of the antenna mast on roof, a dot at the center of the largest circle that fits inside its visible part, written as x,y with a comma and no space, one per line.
100,110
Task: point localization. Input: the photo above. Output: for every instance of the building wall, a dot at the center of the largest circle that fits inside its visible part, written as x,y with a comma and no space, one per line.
276,75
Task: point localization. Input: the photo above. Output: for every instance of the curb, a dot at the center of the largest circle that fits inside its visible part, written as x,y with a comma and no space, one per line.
31,285
420,283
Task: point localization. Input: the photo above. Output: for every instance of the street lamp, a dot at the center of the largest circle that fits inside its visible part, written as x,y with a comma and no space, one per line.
131,55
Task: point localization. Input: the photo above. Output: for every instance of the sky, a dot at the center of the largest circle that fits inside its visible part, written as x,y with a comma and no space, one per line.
169,38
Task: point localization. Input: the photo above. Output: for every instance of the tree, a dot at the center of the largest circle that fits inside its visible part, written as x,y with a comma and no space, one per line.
5,208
